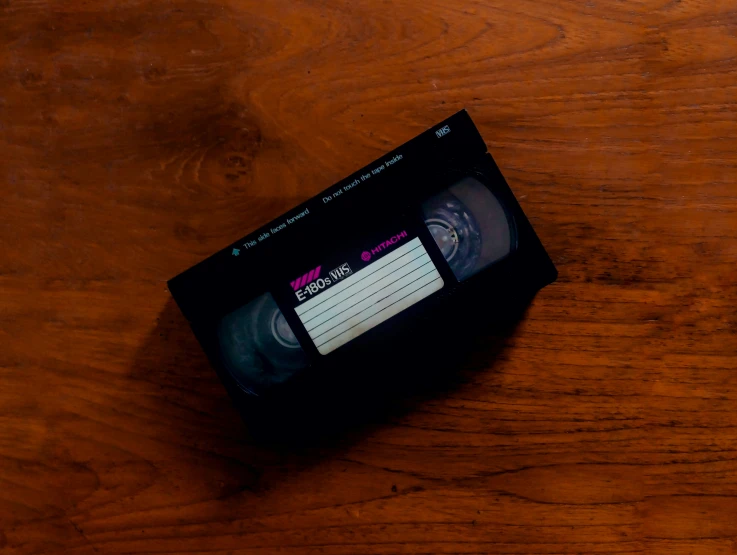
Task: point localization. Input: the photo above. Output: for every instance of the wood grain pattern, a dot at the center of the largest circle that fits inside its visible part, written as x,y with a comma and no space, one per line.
139,136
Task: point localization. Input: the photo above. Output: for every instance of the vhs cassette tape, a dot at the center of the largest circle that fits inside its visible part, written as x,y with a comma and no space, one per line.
389,259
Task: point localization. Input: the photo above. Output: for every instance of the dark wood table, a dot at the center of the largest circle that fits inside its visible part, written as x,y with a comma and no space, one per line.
139,137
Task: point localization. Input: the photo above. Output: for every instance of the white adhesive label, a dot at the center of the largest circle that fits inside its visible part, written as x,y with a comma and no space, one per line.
370,296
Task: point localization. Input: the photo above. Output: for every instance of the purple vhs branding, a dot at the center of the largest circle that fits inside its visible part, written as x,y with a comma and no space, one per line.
311,283
309,277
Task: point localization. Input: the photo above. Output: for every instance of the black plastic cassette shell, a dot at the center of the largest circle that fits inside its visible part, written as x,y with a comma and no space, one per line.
429,163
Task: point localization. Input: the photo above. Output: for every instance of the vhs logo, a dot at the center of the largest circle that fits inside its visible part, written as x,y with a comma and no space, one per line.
342,271
311,283
442,131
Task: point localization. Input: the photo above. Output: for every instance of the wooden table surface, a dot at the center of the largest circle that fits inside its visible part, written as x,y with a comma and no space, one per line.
140,136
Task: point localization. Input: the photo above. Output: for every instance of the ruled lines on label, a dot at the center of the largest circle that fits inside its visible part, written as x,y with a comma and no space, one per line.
370,296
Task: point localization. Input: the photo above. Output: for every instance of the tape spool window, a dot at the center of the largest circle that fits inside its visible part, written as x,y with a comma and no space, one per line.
471,226
258,347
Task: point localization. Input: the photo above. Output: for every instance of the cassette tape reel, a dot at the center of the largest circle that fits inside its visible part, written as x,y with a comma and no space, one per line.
471,227
258,346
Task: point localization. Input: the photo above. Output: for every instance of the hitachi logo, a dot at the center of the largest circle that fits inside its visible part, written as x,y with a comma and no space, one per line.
309,277
389,242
